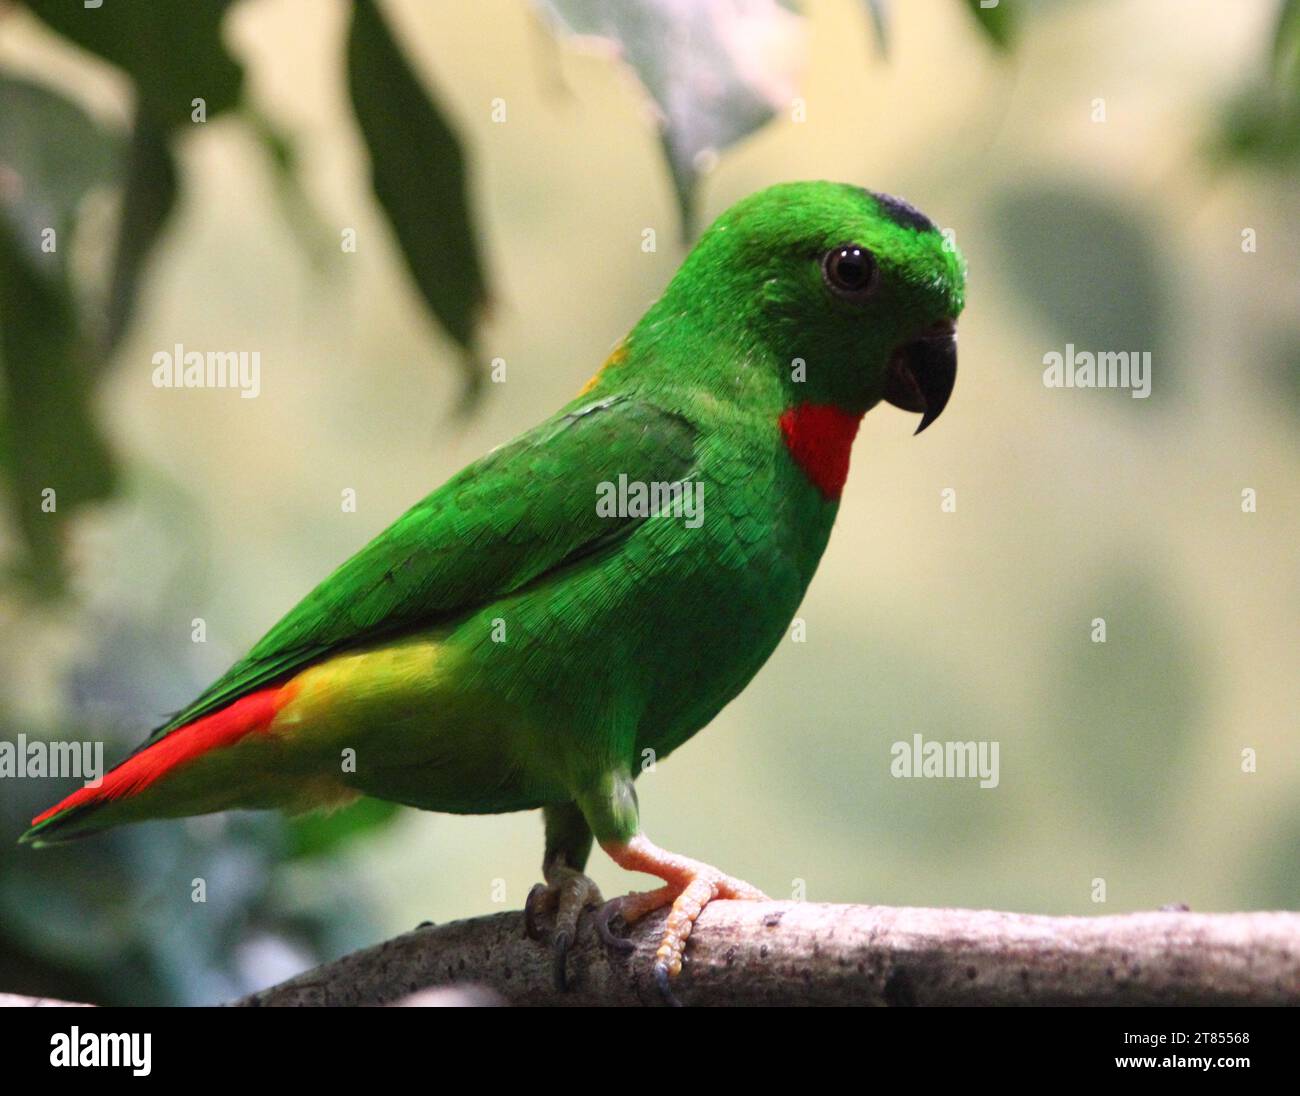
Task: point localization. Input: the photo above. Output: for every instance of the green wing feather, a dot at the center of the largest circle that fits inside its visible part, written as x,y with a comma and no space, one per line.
517,514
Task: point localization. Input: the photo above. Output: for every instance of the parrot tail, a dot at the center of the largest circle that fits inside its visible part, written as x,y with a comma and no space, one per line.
91,809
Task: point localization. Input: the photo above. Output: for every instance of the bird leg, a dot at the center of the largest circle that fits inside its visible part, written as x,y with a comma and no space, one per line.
567,891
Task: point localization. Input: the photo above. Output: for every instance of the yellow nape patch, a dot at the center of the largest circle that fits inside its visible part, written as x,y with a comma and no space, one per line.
617,357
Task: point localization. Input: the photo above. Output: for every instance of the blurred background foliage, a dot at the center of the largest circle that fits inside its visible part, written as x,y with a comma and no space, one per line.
499,164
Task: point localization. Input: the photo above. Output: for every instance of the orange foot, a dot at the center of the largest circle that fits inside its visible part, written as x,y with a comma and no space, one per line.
690,886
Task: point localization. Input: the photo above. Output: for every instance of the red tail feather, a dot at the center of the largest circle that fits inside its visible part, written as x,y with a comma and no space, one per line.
248,715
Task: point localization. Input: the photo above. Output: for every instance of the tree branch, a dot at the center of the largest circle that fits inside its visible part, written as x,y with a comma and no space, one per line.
798,953
14,1000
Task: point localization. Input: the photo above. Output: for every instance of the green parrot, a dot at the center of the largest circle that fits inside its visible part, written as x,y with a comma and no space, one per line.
597,590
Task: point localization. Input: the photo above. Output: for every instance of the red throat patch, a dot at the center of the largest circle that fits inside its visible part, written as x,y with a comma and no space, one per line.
820,438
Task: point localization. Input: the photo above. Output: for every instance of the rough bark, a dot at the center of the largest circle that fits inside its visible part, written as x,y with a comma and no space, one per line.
796,953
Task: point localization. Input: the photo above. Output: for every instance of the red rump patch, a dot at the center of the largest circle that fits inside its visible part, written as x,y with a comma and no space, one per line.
820,438
248,715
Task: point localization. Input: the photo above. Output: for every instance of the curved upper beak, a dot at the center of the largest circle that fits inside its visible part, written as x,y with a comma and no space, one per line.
921,373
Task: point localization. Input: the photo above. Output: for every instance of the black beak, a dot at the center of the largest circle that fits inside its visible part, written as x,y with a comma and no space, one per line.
921,373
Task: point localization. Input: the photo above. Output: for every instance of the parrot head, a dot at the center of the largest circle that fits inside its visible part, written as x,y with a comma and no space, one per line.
853,295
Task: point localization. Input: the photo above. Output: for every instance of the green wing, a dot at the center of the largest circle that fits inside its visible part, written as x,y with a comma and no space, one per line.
511,517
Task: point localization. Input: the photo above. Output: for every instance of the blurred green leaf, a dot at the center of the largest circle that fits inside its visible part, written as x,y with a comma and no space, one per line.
149,193
1261,123
51,154
998,22
1261,127
173,52
1088,264
716,72
51,439
174,55
318,833
418,175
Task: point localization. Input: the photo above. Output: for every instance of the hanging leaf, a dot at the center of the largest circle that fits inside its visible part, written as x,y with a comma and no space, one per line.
999,21
714,72
175,57
418,175
149,193
53,458
172,52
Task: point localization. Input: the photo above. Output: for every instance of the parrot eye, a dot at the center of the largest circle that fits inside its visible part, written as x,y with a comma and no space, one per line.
850,271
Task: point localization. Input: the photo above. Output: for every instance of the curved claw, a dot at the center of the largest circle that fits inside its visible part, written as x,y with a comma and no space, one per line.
663,981
560,954
566,893
604,916
532,906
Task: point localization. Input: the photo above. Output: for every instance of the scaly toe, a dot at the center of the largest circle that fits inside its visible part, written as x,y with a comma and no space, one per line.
738,890
689,885
567,893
